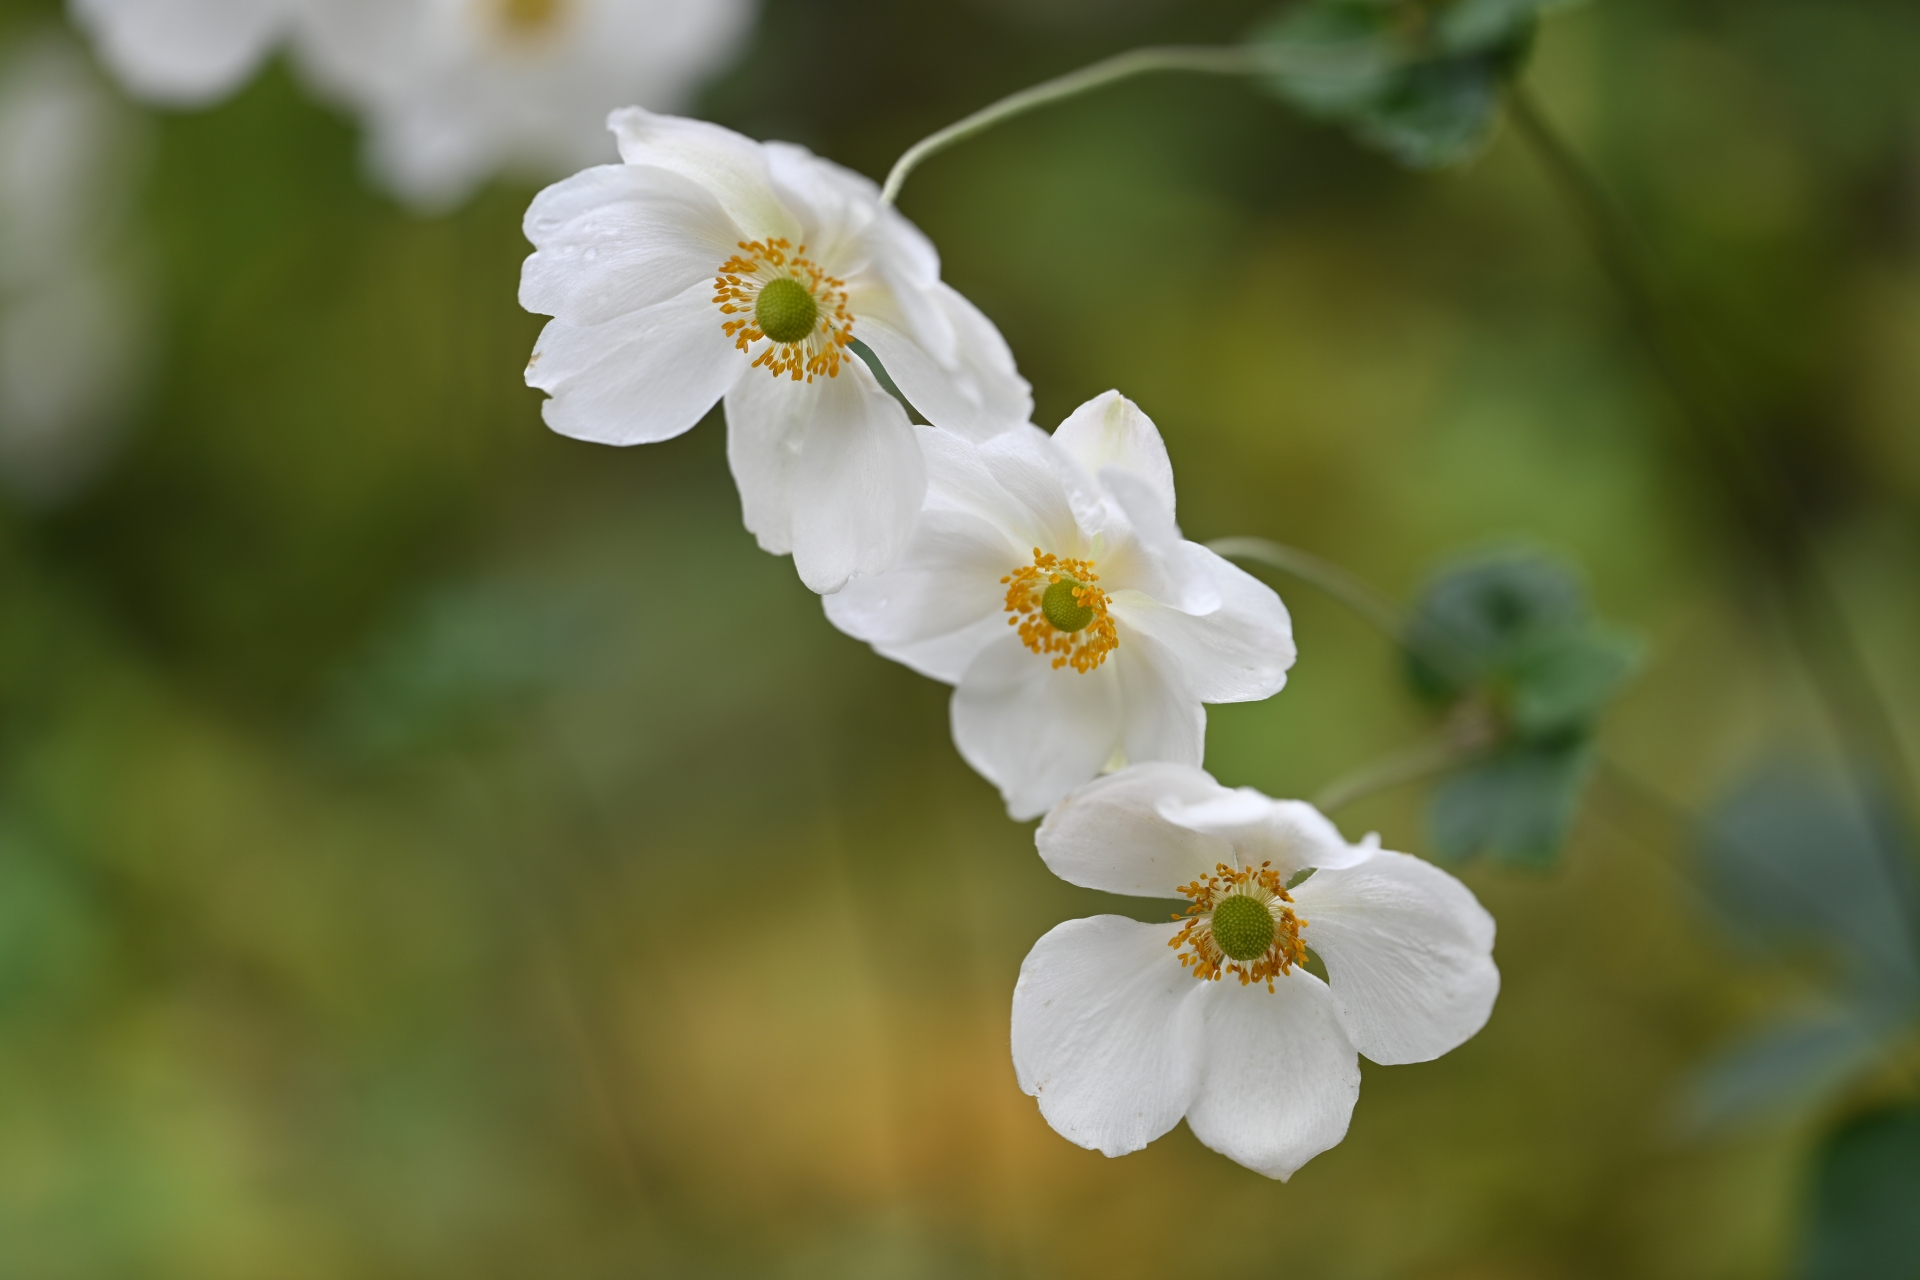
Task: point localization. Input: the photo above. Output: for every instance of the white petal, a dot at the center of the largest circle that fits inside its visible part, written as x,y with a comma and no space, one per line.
859,483
1111,431
1033,731
182,51
1279,1077
1409,952
1161,719
1052,501
1240,652
977,394
731,166
644,377
1105,1032
1113,835
941,604
827,469
620,238
1290,835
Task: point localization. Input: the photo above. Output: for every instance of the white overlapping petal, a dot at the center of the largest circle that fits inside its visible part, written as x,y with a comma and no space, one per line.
664,277
1121,1028
1046,697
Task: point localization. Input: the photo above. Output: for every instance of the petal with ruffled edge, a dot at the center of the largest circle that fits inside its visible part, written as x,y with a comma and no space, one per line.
645,377
1033,731
620,238
1105,1032
1288,835
733,167
186,52
827,469
978,393
1112,834
1111,431
1239,652
1278,1078
941,604
1409,953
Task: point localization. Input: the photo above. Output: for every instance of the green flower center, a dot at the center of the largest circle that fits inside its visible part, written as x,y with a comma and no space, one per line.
1242,927
1060,607
785,311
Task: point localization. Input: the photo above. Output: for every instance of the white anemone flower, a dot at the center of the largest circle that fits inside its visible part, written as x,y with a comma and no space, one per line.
452,91
184,52
1117,1040
1049,584
708,265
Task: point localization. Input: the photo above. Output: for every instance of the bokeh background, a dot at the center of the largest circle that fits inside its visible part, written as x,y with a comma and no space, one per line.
430,847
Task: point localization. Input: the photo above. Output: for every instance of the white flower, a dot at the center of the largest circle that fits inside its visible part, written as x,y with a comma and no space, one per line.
450,91
72,318
710,265
1049,584
453,90
186,52
1118,1041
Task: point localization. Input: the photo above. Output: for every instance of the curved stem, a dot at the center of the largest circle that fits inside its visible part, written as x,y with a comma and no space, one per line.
1410,764
1228,60
1362,597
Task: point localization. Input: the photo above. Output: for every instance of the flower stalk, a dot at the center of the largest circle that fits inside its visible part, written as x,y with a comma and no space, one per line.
1225,60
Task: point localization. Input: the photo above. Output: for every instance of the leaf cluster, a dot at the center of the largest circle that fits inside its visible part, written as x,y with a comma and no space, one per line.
1507,643
1420,79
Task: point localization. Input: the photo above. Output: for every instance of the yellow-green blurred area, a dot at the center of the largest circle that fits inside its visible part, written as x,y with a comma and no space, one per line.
430,847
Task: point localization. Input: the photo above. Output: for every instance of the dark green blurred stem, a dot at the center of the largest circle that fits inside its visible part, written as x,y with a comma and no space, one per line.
1469,734
1367,601
1752,480
1228,60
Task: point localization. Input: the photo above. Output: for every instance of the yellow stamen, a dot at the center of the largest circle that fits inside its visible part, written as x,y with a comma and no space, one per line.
736,291
1087,645
1263,885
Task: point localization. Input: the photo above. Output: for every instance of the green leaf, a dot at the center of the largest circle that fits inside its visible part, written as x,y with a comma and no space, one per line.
1789,1067
1866,1200
1420,79
1514,806
1480,619
1797,861
1562,682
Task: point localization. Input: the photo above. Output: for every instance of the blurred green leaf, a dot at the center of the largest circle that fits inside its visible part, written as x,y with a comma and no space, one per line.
1795,861
1420,79
1866,1189
1514,806
1563,681
1788,1067
1506,637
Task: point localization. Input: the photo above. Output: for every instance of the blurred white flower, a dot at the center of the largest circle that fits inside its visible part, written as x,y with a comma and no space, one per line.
1118,1041
1050,585
72,324
450,91
453,90
710,265
184,52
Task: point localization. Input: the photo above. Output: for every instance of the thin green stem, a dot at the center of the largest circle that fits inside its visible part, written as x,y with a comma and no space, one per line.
1227,60
1752,480
1422,760
1367,601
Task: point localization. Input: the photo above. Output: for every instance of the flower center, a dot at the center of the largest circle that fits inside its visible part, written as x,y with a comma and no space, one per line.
785,311
790,304
525,19
1060,612
1241,922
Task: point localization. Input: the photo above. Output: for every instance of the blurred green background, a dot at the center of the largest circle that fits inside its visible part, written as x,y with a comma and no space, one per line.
430,847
